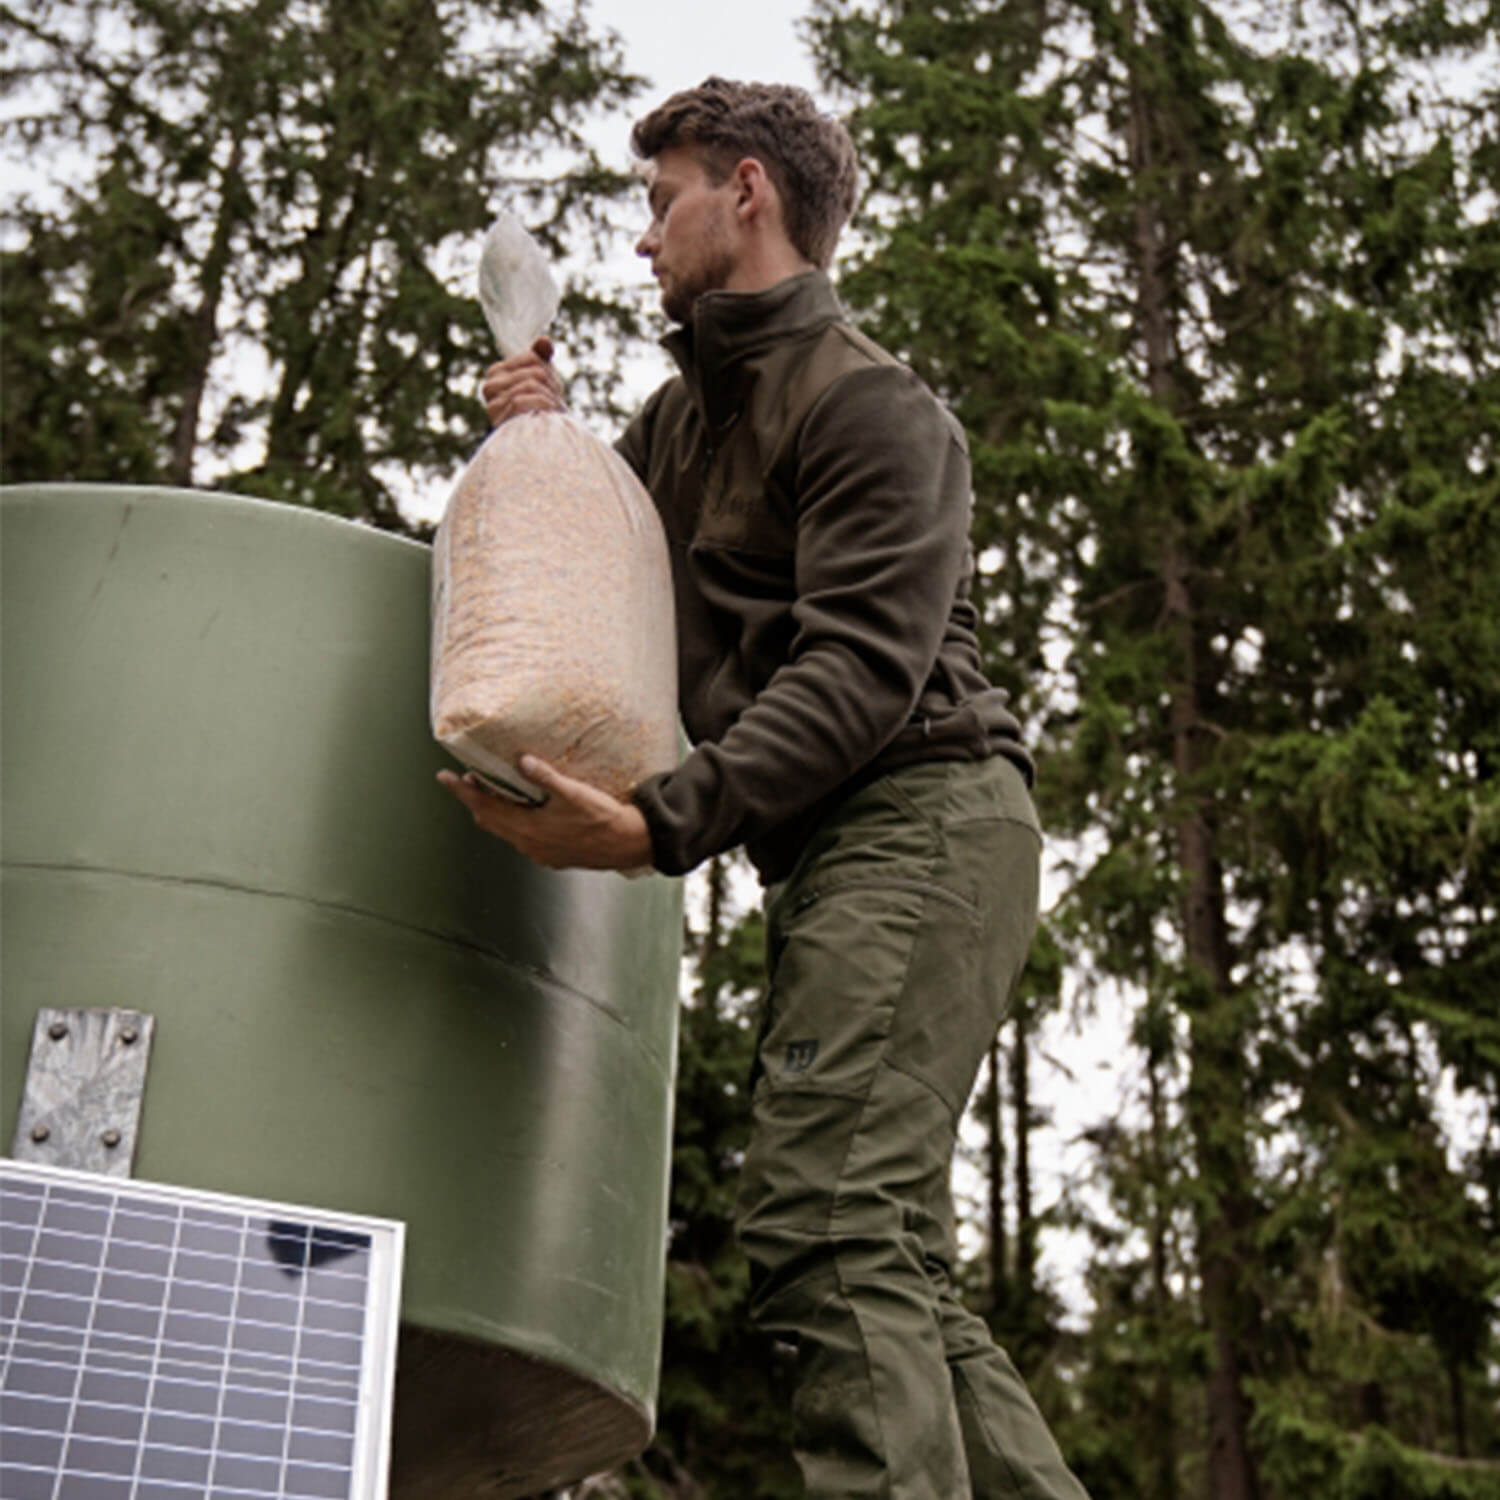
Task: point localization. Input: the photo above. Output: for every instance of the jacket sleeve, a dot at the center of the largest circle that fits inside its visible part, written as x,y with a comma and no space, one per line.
883,505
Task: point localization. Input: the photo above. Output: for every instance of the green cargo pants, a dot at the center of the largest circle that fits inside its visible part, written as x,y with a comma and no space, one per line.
893,948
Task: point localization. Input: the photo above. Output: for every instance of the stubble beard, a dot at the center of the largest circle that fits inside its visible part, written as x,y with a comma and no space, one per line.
714,267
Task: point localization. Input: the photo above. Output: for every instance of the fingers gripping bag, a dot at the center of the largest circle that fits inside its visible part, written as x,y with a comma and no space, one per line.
552,617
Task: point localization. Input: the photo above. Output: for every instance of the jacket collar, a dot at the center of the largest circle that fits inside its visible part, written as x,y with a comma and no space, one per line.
727,327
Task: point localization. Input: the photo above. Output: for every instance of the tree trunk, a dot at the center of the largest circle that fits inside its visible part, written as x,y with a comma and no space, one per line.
1456,1399
995,1162
1163,1413
1020,1089
1372,1407
341,232
713,936
203,332
1215,1086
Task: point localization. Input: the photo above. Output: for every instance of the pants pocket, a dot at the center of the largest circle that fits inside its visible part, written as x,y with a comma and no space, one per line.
842,958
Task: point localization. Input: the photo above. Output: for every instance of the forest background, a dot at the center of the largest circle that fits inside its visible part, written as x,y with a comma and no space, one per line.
1215,289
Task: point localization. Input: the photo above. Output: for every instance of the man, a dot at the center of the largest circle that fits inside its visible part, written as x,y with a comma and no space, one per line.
816,501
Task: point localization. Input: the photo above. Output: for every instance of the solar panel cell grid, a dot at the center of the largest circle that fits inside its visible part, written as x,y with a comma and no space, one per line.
159,1351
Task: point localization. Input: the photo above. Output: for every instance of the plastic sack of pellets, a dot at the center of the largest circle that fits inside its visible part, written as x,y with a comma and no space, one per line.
552,617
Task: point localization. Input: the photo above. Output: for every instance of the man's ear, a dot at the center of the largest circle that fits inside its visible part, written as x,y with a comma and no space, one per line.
754,192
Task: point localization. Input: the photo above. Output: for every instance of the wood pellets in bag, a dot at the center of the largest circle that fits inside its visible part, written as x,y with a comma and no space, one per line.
552,623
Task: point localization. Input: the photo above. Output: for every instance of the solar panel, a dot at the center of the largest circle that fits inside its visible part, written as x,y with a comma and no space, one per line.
159,1343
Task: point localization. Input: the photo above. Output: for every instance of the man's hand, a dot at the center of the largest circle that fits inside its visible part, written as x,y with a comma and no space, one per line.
524,382
578,827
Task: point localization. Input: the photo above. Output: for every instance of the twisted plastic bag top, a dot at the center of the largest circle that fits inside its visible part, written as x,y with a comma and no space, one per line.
553,626
516,289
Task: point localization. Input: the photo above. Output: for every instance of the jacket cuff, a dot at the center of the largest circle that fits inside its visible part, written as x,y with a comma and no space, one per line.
667,852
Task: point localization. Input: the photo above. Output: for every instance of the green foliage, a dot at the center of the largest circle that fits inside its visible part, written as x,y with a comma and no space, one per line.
252,264
1215,294
1308,1455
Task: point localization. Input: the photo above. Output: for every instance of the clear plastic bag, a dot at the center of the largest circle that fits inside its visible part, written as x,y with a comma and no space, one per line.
553,629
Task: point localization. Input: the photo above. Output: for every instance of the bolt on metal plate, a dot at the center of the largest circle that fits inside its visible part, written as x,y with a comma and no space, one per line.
81,1107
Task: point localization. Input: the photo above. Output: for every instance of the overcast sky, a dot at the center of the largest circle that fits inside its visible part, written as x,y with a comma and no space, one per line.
676,43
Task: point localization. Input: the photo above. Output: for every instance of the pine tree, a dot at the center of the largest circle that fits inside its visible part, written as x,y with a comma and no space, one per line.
252,271
1272,290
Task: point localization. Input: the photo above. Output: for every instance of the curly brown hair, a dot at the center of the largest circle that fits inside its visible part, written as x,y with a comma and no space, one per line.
808,155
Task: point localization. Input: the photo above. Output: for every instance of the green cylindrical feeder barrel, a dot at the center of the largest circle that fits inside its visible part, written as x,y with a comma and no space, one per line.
218,805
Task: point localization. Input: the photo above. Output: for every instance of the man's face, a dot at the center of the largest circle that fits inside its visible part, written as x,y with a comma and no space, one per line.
692,236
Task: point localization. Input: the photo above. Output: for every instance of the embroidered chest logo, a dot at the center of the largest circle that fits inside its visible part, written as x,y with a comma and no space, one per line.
733,503
800,1055
747,517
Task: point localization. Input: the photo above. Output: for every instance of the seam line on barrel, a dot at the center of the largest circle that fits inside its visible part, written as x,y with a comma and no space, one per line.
530,970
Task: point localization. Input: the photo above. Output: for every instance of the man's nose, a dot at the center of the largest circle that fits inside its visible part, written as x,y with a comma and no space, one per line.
648,242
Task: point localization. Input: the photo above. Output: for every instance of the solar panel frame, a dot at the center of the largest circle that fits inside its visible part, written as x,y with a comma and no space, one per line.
310,1384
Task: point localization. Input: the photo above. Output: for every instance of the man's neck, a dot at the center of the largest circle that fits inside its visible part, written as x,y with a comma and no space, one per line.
766,265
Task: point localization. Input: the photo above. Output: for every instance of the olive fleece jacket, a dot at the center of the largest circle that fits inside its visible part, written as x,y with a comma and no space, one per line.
816,500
